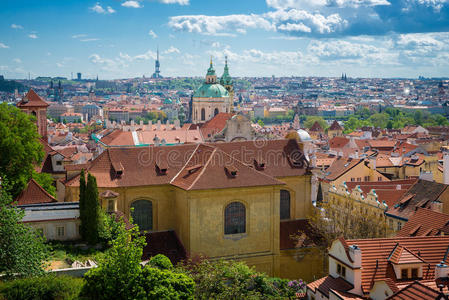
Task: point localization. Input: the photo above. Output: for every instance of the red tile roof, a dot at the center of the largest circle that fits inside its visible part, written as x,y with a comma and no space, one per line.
421,194
338,142
140,164
335,126
166,243
417,290
340,166
424,221
34,194
32,99
316,127
325,284
376,252
215,125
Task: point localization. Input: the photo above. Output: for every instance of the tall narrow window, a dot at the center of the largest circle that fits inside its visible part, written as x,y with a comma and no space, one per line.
216,112
143,214
285,205
235,218
203,114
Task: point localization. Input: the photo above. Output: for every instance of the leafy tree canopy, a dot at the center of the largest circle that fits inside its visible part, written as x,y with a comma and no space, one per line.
19,147
46,181
22,250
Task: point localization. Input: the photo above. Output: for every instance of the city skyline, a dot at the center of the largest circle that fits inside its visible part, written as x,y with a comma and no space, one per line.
118,39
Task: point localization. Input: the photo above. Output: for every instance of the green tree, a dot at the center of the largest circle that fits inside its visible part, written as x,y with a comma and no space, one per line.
91,210
379,120
19,147
119,274
261,123
82,204
46,181
22,250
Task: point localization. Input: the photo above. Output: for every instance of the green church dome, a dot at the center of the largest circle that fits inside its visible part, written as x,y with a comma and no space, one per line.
211,91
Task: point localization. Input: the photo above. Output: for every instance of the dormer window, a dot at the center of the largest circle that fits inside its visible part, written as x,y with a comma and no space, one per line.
341,270
259,164
118,168
193,169
161,169
231,171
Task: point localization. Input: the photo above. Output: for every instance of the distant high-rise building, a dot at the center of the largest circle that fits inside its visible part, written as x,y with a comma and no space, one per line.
157,65
78,76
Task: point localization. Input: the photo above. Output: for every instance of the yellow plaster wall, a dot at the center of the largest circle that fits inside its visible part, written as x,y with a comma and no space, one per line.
300,195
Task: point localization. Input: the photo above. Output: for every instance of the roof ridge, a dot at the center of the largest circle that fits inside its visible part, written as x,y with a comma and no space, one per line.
41,188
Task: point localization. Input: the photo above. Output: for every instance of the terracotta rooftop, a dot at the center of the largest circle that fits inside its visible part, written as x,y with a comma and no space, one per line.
166,243
325,284
34,194
215,125
421,194
425,222
417,290
142,166
316,127
338,142
340,166
335,126
376,253
32,99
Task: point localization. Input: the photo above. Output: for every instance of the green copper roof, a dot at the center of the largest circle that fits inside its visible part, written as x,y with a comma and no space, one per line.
211,70
168,101
211,91
226,78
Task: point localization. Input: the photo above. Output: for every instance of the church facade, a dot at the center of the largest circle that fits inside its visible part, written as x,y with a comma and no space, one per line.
212,97
223,200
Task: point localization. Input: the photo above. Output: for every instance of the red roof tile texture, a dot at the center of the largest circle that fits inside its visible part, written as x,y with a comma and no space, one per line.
34,194
376,252
424,221
417,290
32,99
142,166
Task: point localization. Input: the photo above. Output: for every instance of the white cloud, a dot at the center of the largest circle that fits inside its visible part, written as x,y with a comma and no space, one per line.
172,50
218,25
17,60
305,4
59,65
89,40
216,44
302,21
132,3
3,46
100,10
16,26
77,36
152,34
180,2
33,36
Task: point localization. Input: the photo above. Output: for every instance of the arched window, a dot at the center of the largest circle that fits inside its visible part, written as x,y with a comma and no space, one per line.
34,113
216,112
285,205
143,214
235,218
203,114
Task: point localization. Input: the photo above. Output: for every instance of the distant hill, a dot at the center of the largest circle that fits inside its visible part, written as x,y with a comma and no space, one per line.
10,85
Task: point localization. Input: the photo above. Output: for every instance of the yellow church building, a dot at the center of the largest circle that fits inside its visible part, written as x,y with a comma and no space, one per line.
223,200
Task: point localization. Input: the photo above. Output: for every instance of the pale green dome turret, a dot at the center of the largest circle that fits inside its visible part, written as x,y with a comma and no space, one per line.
226,78
211,91
211,70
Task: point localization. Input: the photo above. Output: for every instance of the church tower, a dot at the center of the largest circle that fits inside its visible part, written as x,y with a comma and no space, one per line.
210,99
226,81
34,105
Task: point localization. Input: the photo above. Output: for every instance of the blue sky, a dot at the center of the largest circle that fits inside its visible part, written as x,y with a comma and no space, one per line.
118,38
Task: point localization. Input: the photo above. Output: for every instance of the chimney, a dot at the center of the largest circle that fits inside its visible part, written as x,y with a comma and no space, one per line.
374,163
441,270
313,160
356,254
446,168
158,125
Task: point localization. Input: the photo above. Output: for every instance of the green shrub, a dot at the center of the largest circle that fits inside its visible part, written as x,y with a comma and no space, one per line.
161,261
46,287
